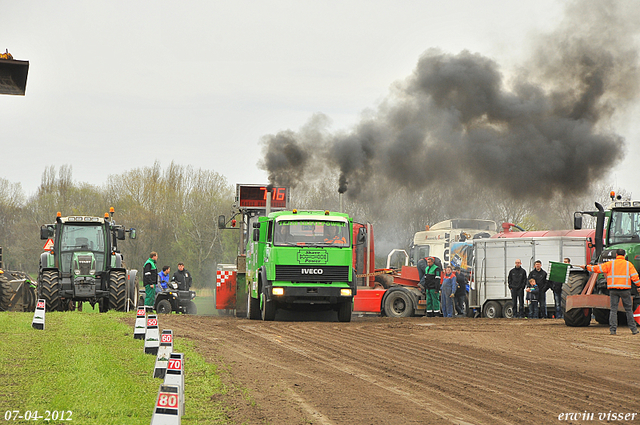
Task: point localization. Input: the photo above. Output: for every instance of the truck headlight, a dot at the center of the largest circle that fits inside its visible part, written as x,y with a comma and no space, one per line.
77,272
345,292
277,291
92,272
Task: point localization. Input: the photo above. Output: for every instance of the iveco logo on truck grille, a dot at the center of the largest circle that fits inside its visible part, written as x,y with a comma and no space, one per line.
311,271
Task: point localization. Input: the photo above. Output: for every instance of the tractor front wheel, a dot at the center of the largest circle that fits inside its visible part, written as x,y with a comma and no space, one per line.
49,290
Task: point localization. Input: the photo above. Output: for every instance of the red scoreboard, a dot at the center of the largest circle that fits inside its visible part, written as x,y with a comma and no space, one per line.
254,196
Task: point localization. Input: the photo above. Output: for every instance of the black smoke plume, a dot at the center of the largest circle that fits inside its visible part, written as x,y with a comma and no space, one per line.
545,130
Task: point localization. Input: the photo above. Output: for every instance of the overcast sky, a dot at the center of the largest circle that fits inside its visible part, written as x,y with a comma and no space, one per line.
120,84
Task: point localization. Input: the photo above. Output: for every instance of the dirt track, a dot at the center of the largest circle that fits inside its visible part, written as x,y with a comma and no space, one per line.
417,370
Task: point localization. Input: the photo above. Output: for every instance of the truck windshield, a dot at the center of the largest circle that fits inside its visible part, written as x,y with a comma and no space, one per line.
624,227
312,232
81,238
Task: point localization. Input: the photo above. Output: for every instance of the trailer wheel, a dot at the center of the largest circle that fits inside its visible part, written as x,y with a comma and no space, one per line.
5,293
344,311
507,310
49,290
164,307
576,317
398,304
492,310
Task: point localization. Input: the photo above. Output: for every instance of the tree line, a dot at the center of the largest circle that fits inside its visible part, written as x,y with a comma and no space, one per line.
174,211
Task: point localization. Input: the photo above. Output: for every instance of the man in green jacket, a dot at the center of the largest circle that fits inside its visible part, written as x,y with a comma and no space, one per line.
150,279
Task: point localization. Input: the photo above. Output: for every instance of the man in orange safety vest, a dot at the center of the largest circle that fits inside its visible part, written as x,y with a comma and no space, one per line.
619,274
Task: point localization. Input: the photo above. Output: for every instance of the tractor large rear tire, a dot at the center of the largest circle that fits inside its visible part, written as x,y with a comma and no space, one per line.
576,317
49,290
5,293
117,290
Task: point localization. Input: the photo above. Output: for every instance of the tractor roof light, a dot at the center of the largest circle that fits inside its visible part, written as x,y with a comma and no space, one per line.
106,215
59,214
295,211
326,212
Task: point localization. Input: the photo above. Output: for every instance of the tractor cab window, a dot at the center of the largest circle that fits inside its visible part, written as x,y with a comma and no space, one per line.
76,238
624,226
308,232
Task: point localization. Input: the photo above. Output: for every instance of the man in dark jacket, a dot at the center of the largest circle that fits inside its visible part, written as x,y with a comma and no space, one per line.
461,292
517,281
182,278
150,279
540,276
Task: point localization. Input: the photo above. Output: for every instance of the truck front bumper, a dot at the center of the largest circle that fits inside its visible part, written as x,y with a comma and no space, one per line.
309,294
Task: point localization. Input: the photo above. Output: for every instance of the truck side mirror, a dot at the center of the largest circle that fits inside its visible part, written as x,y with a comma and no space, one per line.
577,221
222,222
256,235
362,236
132,233
120,233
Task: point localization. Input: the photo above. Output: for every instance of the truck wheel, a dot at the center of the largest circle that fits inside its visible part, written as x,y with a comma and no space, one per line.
49,290
492,310
5,293
253,307
117,289
164,307
398,304
576,317
191,308
344,311
507,310
268,308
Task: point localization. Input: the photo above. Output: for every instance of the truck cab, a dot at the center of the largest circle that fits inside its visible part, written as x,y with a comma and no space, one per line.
300,260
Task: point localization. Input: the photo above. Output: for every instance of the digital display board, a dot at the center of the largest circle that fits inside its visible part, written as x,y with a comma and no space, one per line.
255,197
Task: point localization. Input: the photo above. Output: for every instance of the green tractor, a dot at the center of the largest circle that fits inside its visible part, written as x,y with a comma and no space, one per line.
584,294
82,263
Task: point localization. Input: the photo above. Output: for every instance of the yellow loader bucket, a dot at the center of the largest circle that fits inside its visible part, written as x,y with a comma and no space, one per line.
13,76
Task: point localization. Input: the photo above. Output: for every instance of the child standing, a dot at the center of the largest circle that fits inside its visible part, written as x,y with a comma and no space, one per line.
532,295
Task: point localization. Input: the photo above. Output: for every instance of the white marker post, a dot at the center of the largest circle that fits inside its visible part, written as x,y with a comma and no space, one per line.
151,337
167,410
38,315
175,375
140,328
165,350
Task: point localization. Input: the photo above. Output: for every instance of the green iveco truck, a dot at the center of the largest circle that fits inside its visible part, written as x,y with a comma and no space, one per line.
300,260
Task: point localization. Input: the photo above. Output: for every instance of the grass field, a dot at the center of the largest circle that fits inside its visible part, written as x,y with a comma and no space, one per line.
90,365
